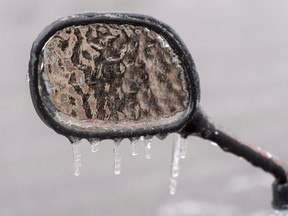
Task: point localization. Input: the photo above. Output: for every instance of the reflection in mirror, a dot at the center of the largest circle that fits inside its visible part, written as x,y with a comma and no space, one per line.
107,76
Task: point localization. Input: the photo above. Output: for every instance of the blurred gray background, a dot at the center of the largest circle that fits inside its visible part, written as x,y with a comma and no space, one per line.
241,52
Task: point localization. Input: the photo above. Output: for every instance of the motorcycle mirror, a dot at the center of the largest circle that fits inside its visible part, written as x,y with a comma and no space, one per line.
112,76
117,75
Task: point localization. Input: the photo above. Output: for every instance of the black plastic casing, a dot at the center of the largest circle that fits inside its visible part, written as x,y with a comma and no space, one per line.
160,28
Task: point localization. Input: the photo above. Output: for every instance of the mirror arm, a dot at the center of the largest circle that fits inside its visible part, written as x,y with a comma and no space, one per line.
203,127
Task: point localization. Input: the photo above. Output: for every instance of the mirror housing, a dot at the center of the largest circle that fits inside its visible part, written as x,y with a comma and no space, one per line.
112,75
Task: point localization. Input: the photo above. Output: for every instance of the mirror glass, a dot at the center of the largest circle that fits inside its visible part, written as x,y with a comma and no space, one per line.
111,77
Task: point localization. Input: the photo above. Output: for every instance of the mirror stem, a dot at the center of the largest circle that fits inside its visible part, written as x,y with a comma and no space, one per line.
253,154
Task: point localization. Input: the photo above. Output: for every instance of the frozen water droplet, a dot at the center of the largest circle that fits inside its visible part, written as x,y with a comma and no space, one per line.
183,147
76,157
163,42
214,144
175,164
28,77
117,157
148,146
172,186
161,136
269,155
94,144
134,142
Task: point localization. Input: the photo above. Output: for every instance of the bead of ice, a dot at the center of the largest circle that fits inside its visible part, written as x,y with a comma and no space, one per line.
172,186
134,142
214,144
76,157
174,173
147,146
162,136
95,145
117,157
28,77
183,147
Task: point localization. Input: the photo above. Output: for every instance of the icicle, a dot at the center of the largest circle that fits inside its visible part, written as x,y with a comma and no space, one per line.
148,146
76,157
175,164
183,147
134,141
172,186
117,157
94,145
